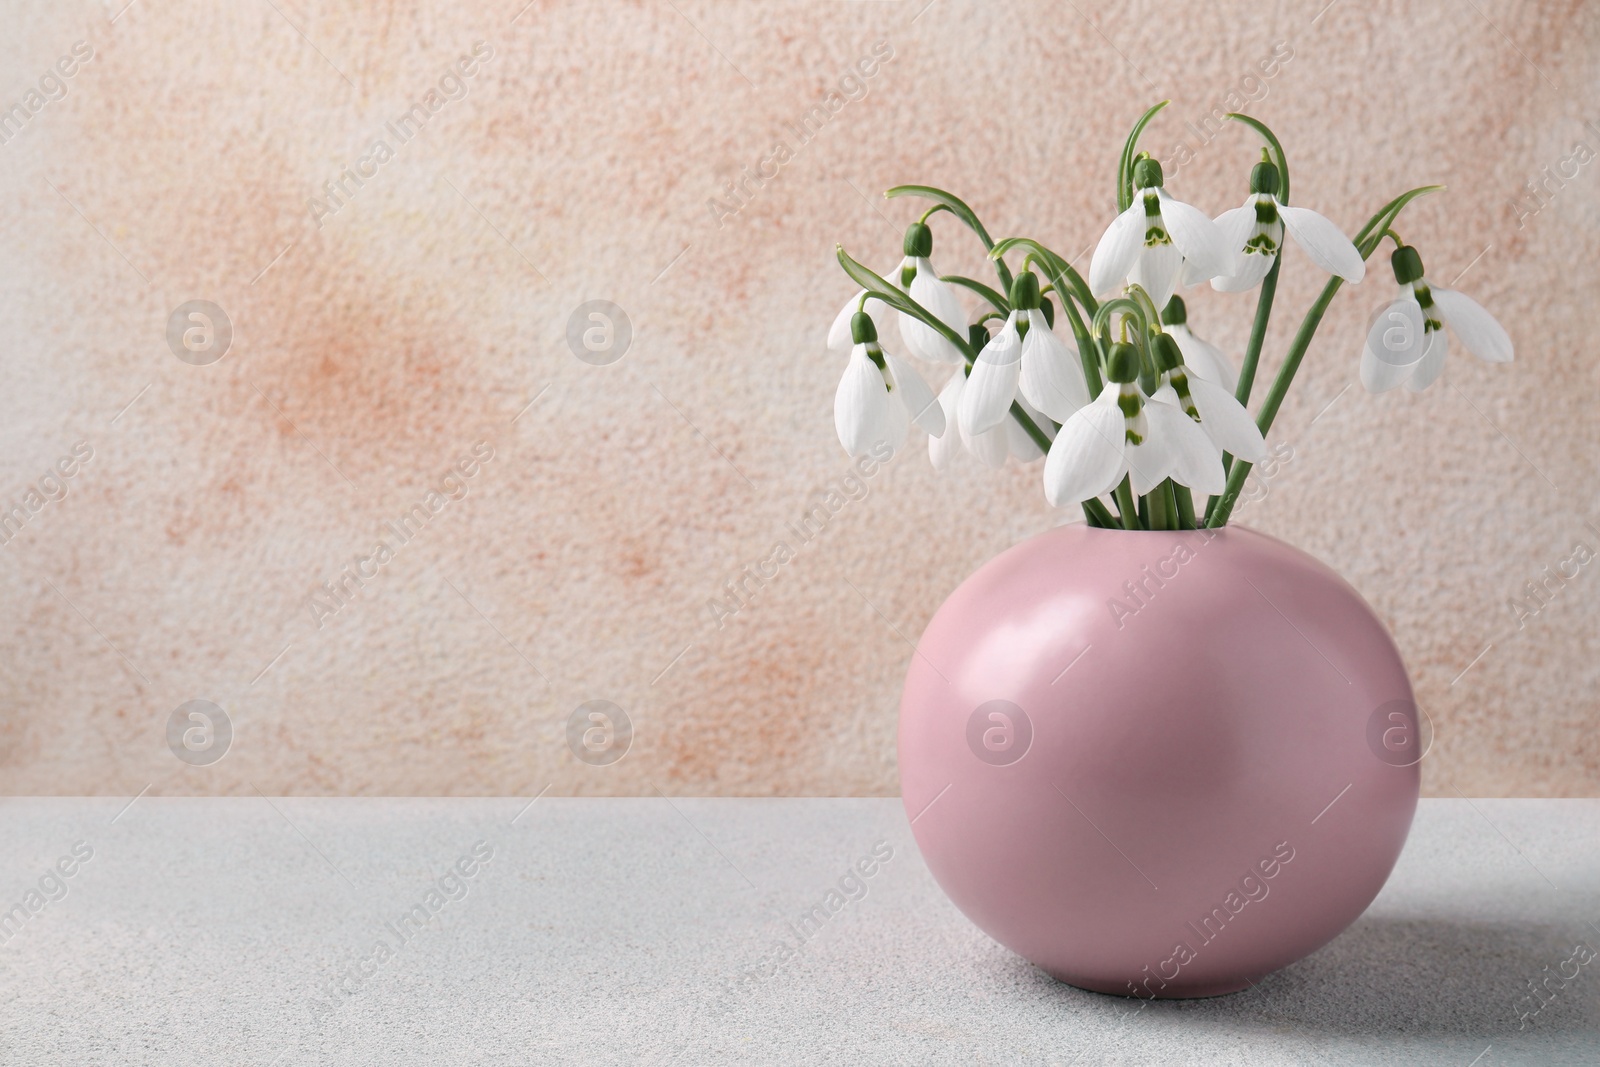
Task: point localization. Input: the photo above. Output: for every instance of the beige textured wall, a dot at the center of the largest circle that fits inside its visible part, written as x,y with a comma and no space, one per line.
373,351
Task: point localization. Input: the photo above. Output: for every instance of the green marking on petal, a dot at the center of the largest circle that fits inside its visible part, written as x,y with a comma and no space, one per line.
1180,385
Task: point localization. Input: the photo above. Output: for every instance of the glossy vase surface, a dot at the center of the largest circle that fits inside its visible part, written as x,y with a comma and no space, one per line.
1159,764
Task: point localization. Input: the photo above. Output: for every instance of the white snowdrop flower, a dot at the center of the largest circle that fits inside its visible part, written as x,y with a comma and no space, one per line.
1407,343
1024,355
1254,237
1051,381
923,284
917,278
1202,357
1122,433
880,396
1223,419
1157,241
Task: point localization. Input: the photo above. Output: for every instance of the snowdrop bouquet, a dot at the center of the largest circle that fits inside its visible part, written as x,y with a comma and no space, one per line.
1134,407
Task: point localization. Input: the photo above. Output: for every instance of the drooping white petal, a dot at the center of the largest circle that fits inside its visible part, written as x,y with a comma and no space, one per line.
1192,274
991,446
898,425
913,394
1023,447
1252,269
1118,248
1052,376
1379,376
992,386
1237,225
942,448
1177,448
1199,239
1478,330
1395,344
1157,270
1153,460
861,405
1324,242
1226,421
1432,363
1088,457
1204,358
1239,229
938,297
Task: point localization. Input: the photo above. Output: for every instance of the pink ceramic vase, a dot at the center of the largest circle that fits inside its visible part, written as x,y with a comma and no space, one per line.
1158,764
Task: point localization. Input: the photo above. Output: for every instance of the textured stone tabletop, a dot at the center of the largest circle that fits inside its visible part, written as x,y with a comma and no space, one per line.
654,931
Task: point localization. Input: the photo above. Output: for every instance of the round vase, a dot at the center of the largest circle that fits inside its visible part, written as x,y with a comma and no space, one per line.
1159,764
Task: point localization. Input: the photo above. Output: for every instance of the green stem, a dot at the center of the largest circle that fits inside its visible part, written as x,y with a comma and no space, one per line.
1252,355
1162,506
1129,148
957,207
1126,505
1030,427
1098,514
1056,266
995,299
1258,332
1185,507
1269,407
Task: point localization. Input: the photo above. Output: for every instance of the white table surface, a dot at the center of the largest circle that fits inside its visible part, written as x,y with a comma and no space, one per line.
642,931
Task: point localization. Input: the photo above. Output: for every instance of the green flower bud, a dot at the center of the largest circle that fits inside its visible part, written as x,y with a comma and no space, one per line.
1049,312
919,240
1165,349
863,331
1025,291
1175,314
1407,264
1264,179
1122,365
1147,174
977,336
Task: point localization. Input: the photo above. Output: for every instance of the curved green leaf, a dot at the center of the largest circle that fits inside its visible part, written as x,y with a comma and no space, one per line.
899,300
1131,146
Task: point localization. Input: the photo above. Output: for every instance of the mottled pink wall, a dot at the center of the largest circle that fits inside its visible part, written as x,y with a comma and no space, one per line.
375,346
